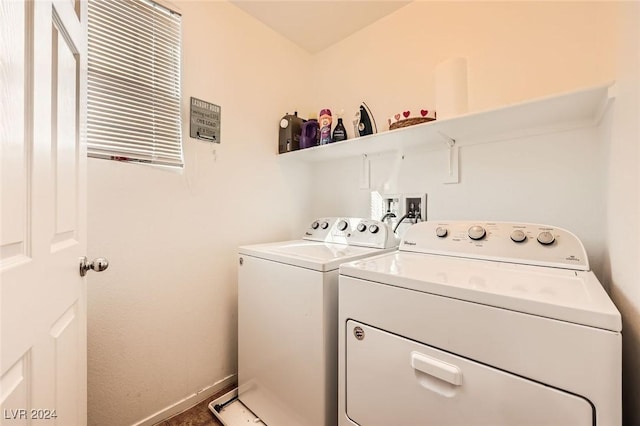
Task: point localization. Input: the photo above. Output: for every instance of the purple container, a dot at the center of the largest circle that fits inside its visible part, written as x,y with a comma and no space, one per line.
310,134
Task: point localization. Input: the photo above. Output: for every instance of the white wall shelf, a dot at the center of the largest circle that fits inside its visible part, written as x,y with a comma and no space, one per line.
557,113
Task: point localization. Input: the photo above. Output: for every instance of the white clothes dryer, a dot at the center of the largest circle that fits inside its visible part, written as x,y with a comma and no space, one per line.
288,320
478,324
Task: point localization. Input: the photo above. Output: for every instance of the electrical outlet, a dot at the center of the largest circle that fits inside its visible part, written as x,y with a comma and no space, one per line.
416,205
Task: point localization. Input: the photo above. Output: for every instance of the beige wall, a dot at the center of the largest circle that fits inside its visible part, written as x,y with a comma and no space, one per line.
162,319
623,204
515,51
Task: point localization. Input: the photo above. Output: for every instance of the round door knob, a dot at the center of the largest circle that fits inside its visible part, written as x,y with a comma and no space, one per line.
546,238
476,232
324,225
518,236
374,229
342,225
441,232
99,264
315,224
361,227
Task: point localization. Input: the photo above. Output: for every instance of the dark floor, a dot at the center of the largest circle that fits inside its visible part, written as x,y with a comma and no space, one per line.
198,415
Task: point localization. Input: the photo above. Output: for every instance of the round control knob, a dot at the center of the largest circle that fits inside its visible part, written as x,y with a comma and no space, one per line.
374,229
324,225
362,227
284,123
441,232
518,236
342,225
315,224
476,232
546,238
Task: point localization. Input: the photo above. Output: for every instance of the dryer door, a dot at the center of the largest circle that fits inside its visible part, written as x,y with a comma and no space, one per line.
393,380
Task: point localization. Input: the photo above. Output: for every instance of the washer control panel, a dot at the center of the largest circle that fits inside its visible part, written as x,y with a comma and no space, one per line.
352,231
524,243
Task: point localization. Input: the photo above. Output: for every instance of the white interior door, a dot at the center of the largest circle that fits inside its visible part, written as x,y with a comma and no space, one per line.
43,234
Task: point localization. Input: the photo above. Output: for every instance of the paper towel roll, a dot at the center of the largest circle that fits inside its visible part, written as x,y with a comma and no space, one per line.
451,87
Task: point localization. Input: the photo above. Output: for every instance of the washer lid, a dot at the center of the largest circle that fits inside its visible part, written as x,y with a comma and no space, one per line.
562,294
314,255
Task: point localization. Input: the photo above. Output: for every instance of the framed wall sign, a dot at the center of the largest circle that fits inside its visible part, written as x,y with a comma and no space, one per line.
205,121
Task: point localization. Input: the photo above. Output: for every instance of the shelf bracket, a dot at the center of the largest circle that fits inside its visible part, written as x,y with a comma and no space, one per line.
365,173
447,139
452,175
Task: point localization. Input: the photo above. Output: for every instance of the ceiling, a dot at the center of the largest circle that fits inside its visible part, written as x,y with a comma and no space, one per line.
315,25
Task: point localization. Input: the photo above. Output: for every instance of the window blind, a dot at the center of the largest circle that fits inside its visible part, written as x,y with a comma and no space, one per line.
134,82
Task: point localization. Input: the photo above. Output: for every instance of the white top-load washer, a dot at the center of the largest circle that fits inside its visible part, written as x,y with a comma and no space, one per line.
288,319
478,324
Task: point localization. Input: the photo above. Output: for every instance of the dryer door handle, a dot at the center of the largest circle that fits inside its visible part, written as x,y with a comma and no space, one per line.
436,368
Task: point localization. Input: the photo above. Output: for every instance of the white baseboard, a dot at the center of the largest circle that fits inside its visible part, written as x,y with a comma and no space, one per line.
187,402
